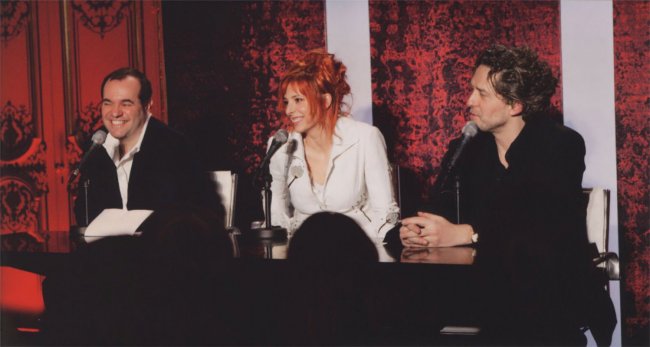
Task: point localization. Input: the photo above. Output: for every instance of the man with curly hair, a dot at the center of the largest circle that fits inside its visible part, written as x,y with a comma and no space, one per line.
520,188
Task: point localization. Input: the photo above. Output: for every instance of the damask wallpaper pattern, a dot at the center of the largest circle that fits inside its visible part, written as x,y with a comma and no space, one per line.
423,54
632,81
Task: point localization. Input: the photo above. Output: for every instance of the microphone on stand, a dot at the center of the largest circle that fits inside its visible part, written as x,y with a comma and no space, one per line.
469,131
98,139
270,232
279,139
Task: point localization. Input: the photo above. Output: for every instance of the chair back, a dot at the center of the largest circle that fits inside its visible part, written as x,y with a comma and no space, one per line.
598,231
598,217
226,182
396,182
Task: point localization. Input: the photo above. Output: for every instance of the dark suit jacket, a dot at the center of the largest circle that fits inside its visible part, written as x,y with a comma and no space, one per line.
531,218
164,172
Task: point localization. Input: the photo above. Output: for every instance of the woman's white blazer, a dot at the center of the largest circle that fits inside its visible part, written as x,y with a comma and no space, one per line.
358,182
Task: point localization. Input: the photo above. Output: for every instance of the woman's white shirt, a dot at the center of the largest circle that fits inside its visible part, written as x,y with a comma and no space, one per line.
358,181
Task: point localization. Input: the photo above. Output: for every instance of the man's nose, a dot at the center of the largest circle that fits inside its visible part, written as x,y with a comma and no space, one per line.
470,100
116,111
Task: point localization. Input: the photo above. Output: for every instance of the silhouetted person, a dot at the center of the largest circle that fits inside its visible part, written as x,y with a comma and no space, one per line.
333,300
331,239
169,286
188,256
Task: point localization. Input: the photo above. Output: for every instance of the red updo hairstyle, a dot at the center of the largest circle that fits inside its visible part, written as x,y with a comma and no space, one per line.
315,74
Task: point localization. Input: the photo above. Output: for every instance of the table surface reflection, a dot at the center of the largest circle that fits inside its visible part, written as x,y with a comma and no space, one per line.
247,247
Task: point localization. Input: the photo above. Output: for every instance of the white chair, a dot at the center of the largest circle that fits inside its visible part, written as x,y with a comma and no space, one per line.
227,188
226,183
598,230
396,181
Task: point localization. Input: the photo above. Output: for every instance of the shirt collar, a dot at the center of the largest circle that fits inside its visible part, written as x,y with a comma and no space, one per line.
112,145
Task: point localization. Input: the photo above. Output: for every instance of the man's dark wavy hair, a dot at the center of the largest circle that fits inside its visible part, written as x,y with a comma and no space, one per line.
517,75
145,85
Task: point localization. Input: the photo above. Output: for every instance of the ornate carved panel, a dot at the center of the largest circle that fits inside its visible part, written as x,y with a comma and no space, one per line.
100,16
20,206
23,180
16,130
13,16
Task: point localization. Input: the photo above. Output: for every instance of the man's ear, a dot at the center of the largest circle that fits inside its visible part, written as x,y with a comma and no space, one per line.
516,108
328,100
147,109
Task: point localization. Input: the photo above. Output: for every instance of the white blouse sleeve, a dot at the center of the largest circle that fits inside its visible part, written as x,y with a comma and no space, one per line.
381,198
279,193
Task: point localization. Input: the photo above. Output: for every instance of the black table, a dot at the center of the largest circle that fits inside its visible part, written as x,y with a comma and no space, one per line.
404,299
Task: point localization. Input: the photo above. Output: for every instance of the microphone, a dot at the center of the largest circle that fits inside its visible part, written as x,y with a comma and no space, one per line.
98,139
296,172
270,231
469,130
279,139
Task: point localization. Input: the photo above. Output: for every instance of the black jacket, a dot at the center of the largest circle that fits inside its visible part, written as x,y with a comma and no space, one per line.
164,172
533,251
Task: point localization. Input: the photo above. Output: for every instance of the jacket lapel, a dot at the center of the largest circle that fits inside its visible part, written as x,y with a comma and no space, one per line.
345,136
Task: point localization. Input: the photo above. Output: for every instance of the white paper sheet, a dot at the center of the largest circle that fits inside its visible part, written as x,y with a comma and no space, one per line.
115,222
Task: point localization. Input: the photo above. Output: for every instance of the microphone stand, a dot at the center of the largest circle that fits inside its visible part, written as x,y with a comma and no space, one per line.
457,186
77,232
85,185
269,232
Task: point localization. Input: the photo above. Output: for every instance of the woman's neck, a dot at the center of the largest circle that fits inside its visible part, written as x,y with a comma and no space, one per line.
317,138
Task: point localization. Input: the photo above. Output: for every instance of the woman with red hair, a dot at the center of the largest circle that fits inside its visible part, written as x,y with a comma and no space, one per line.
331,162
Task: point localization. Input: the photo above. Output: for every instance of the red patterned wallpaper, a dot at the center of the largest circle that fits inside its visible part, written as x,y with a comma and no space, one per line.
422,58
632,74
223,64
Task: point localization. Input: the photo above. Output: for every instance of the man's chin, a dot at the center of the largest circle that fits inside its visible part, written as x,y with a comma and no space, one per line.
116,134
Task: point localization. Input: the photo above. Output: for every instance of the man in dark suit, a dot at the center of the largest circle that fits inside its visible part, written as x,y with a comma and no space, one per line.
520,183
143,164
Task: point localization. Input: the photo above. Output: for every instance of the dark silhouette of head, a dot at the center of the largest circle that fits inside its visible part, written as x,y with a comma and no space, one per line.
187,234
328,238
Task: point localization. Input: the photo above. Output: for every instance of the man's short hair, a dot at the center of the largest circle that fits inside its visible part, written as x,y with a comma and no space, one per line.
145,86
517,75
